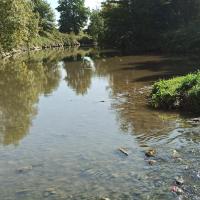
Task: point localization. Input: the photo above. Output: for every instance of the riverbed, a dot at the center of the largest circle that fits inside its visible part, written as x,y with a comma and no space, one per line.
64,114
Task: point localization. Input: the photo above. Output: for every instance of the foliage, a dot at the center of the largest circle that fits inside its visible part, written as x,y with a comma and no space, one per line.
55,38
46,15
73,15
96,26
149,25
18,24
181,92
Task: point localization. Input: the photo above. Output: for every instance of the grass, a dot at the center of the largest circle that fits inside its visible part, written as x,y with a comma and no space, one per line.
178,93
56,38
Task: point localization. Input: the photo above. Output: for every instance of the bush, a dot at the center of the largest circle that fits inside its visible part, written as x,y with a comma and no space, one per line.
180,93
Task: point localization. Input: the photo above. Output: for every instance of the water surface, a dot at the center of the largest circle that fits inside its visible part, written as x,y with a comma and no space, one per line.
63,119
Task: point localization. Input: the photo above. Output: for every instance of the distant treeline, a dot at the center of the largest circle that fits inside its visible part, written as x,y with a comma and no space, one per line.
148,25
26,24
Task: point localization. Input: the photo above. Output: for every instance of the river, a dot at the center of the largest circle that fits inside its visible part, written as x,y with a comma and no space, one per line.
64,114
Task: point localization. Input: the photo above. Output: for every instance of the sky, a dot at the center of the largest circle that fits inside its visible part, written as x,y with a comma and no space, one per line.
92,4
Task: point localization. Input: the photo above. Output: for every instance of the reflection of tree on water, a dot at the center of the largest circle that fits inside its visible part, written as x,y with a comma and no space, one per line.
78,77
21,83
129,100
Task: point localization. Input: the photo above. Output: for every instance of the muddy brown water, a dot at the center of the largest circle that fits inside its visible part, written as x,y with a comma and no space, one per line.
65,113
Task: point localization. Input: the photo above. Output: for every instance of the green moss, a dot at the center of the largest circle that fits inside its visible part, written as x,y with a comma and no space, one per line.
180,92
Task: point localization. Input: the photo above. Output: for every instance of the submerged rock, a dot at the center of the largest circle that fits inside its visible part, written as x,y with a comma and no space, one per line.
49,191
175,154
152,162
24,169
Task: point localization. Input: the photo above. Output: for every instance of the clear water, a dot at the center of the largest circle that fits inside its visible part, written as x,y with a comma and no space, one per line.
63,119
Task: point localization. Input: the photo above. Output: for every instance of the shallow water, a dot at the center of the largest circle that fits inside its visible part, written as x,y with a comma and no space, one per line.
62,121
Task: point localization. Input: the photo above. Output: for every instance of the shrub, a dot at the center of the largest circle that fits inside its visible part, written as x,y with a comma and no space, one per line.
180,93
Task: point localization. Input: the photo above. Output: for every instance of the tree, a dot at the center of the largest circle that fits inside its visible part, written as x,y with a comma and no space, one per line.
145,25
73,15
18,24
46,15
96,26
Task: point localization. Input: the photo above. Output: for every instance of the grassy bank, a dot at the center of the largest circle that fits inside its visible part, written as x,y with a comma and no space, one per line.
178,93
46,40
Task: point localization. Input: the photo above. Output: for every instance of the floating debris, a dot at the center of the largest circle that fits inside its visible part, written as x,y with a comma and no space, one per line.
177,190
124,151
151,153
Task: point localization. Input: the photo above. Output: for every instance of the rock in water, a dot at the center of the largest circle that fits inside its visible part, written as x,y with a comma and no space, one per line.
179,180
24,169
151,153
152,162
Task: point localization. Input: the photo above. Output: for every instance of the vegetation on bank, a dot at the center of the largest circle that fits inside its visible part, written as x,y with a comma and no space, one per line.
178,93
143,26
30,24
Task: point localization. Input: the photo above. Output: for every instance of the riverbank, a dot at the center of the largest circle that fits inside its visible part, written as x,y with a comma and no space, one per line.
48,40
178,93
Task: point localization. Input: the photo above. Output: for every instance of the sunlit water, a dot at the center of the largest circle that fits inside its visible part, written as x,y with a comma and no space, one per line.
63,119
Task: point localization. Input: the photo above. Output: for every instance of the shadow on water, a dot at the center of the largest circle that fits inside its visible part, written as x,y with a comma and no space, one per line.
167,67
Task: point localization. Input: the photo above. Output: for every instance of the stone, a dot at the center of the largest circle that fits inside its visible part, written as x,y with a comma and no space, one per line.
151,153
179,180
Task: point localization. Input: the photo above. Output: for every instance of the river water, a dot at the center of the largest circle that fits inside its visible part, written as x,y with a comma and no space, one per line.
64,114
